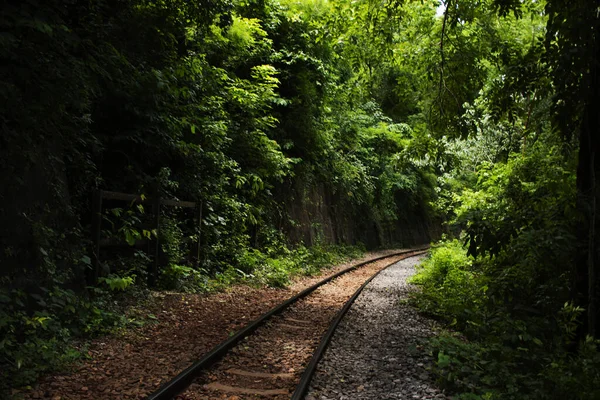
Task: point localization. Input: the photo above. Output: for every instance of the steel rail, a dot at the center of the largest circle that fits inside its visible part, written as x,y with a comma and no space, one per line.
310,369
180,382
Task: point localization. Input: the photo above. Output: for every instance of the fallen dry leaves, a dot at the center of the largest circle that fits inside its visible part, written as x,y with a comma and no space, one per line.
269,363
134,364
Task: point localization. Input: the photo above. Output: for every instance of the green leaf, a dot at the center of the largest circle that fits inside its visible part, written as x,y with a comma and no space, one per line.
129,237
443,360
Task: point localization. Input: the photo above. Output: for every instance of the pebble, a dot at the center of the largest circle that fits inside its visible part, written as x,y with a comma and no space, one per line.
376,352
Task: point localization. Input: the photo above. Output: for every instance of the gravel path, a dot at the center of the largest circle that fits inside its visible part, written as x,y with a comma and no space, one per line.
376,352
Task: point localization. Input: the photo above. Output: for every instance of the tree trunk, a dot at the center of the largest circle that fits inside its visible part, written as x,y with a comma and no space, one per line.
588,175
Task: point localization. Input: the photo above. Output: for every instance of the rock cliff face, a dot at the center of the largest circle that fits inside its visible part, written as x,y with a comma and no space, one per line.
317,215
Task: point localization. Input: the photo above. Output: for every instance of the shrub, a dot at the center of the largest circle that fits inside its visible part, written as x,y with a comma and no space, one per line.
450,287
273,268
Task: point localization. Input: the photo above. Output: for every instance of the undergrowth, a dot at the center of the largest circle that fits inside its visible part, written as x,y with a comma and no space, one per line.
39,330
505,286
498,350
46,331
259,268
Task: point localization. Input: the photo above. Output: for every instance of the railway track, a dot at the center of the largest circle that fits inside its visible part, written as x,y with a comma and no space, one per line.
274,356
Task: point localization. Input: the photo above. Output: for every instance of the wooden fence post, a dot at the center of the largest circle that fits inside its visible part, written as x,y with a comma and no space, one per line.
98,196
96,231
199,222
153,275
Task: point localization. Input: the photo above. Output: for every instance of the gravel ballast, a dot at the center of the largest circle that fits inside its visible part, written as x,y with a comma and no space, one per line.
377,351
283,346
131,365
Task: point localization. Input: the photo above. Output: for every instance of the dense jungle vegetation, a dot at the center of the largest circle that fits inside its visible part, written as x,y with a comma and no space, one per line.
307,130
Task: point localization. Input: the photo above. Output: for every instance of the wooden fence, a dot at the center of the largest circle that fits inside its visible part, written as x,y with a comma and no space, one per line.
153,244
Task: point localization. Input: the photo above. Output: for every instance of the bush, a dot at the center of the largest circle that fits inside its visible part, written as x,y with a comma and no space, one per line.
508,291
257,268
575,376
37,330
450,288
493,369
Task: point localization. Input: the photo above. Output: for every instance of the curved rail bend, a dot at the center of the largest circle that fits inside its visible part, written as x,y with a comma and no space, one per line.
180,382
308,373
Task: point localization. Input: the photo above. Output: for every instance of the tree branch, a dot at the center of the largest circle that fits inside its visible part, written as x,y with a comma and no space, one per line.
443,60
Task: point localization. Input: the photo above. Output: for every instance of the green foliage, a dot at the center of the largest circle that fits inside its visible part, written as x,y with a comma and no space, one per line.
274,268
34,342
277,271
521,223
118,283
184,278
451,287
291,121
576,375
318,122
173,239
508,188
508,290
493,370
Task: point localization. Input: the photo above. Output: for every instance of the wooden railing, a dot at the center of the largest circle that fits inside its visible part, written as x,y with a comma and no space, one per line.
154,244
